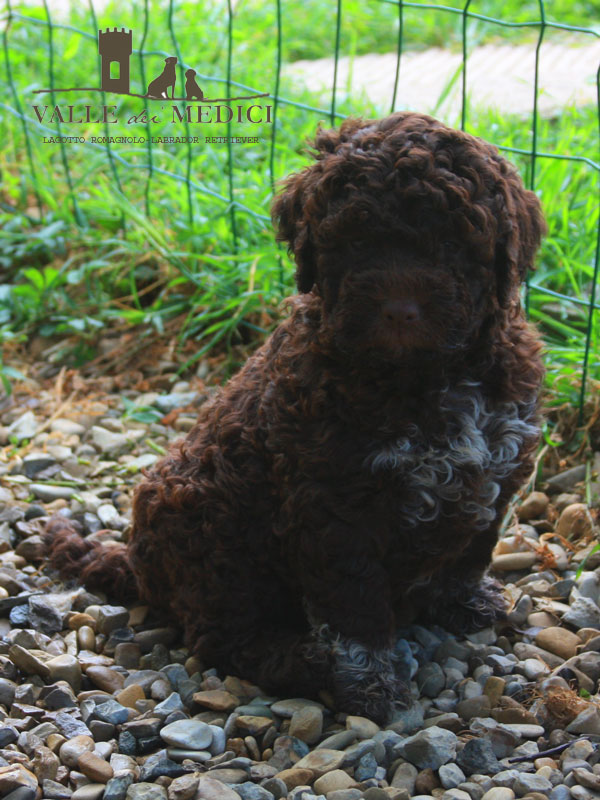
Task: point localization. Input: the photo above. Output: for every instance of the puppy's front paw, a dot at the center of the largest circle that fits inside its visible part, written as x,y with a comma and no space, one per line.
370,683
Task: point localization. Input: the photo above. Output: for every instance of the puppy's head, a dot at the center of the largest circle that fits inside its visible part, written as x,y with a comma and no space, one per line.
171,60
189,73
411,232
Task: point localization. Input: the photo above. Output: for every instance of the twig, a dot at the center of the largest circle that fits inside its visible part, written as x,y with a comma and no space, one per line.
552,752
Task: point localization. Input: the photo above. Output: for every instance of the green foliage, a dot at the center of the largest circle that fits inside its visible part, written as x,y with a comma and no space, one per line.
145,414
145,257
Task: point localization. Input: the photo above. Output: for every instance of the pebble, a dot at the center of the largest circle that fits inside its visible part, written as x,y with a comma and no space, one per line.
575,521
498,793
89,791
187,733
307,724
15,776
493,689
28,662
24,427
534,506
478,757
333,781
110,618
208,789
109,443
105,678
86,638
116,787
216,700
514,561
71,750
429,748
531,783
295,776
286,708
321,761
431,679
95,768
65,668
559,641
146,791
587,721
165,726
583,613
68,427
252,724
130,695
563,481
451,776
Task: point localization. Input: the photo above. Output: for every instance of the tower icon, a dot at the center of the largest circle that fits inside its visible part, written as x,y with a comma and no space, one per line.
115,49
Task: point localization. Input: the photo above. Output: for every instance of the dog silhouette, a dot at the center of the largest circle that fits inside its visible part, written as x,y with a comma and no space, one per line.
192,90
159,87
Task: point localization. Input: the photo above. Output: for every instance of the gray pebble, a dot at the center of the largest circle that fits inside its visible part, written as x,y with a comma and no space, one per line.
20,793
526,782
36,462
431,679
366,768
127,744
451,776
116,788
219,740
276,786
111,712
409,720
89,791
563,481
429,748
158,765
44,615
55,791
355,752
48,492
338,741
560,792
111,617
146,791
583,613
167,706
188,733
251,791
69,726
7,692
477,756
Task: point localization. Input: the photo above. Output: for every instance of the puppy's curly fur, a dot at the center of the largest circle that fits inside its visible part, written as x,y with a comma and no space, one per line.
352,477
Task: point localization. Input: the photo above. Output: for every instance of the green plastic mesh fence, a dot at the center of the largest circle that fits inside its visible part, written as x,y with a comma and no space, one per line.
222,188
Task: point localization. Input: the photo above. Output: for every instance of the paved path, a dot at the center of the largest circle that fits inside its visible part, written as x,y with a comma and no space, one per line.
498,75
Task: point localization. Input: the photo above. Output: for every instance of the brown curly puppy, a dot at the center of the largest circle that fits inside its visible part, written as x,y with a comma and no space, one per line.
352,477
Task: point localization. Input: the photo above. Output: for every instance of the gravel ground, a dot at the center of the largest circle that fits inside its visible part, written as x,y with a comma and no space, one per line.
100,701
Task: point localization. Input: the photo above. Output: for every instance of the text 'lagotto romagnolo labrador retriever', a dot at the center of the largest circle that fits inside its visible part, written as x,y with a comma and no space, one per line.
351,478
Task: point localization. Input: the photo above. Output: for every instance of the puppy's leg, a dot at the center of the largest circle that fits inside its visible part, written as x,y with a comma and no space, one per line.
347,597
462,598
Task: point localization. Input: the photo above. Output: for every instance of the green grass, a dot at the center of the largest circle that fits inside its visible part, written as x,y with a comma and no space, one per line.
179,266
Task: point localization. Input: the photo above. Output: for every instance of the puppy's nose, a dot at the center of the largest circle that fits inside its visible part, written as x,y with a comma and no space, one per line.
401,312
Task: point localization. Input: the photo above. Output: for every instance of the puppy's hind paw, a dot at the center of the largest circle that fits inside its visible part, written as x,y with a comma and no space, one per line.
481,606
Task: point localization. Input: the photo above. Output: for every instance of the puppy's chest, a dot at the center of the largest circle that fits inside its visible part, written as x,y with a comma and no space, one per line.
460,470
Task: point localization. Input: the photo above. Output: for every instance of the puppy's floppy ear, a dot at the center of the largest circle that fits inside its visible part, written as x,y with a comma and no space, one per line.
521,226
291,219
